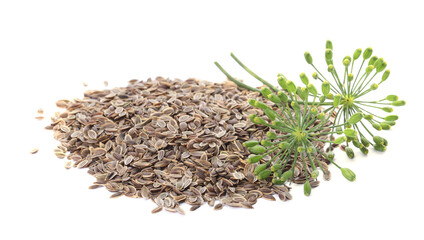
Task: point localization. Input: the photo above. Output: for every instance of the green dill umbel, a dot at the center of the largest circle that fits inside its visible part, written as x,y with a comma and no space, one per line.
292,134
340,96
349,89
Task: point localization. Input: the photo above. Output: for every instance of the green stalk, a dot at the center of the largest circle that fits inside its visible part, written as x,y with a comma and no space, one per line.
253,74
240,84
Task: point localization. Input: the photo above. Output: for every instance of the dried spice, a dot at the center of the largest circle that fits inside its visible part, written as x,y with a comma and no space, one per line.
171,141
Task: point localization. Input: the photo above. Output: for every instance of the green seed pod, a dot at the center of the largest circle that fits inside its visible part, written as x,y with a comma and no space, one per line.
385,143
381,67
307,188
284,145
376,126
339,130
330,68
364,150
250,143
290,86
259,168
365,141
349,152
304,78
398,103
252,116
372,60
378,63
302,93
322,99
266,143
380,148
275,167
348,125
269,113
314,110
282,82
391,118
312,89
391,123
337,99
369,69
357,53
350,77
374,86
367,53
252,102
276,181
329,45
330,155
315,75
271,135
357,144
325,88
321,116
350,139
339,140
330,96
287,174
315,173
274,98
328,54
264,174
277,124
349,132
392,98
346,62
308,57
378,140
255,159
355,118
368,117
385,75
258,149
259,121
388,109
265,91
348,174
283,97
261,105
300,149
385,126
311,149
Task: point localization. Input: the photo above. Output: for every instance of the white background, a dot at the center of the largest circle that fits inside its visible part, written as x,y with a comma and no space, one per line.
48,48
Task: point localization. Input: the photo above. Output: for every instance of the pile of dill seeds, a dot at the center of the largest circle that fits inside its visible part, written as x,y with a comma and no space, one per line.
170,141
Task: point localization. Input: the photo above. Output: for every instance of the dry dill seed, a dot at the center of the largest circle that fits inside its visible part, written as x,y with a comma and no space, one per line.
171,141
34,151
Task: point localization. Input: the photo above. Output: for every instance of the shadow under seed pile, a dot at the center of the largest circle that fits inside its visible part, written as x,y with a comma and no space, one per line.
171,141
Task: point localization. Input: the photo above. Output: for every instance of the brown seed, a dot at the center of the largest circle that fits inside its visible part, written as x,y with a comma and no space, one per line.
92,134
218,206
106,83
68,164
34,151
39,117
157,209
171,141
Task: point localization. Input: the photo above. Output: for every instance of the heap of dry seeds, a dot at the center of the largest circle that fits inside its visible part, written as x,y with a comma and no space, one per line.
171,141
